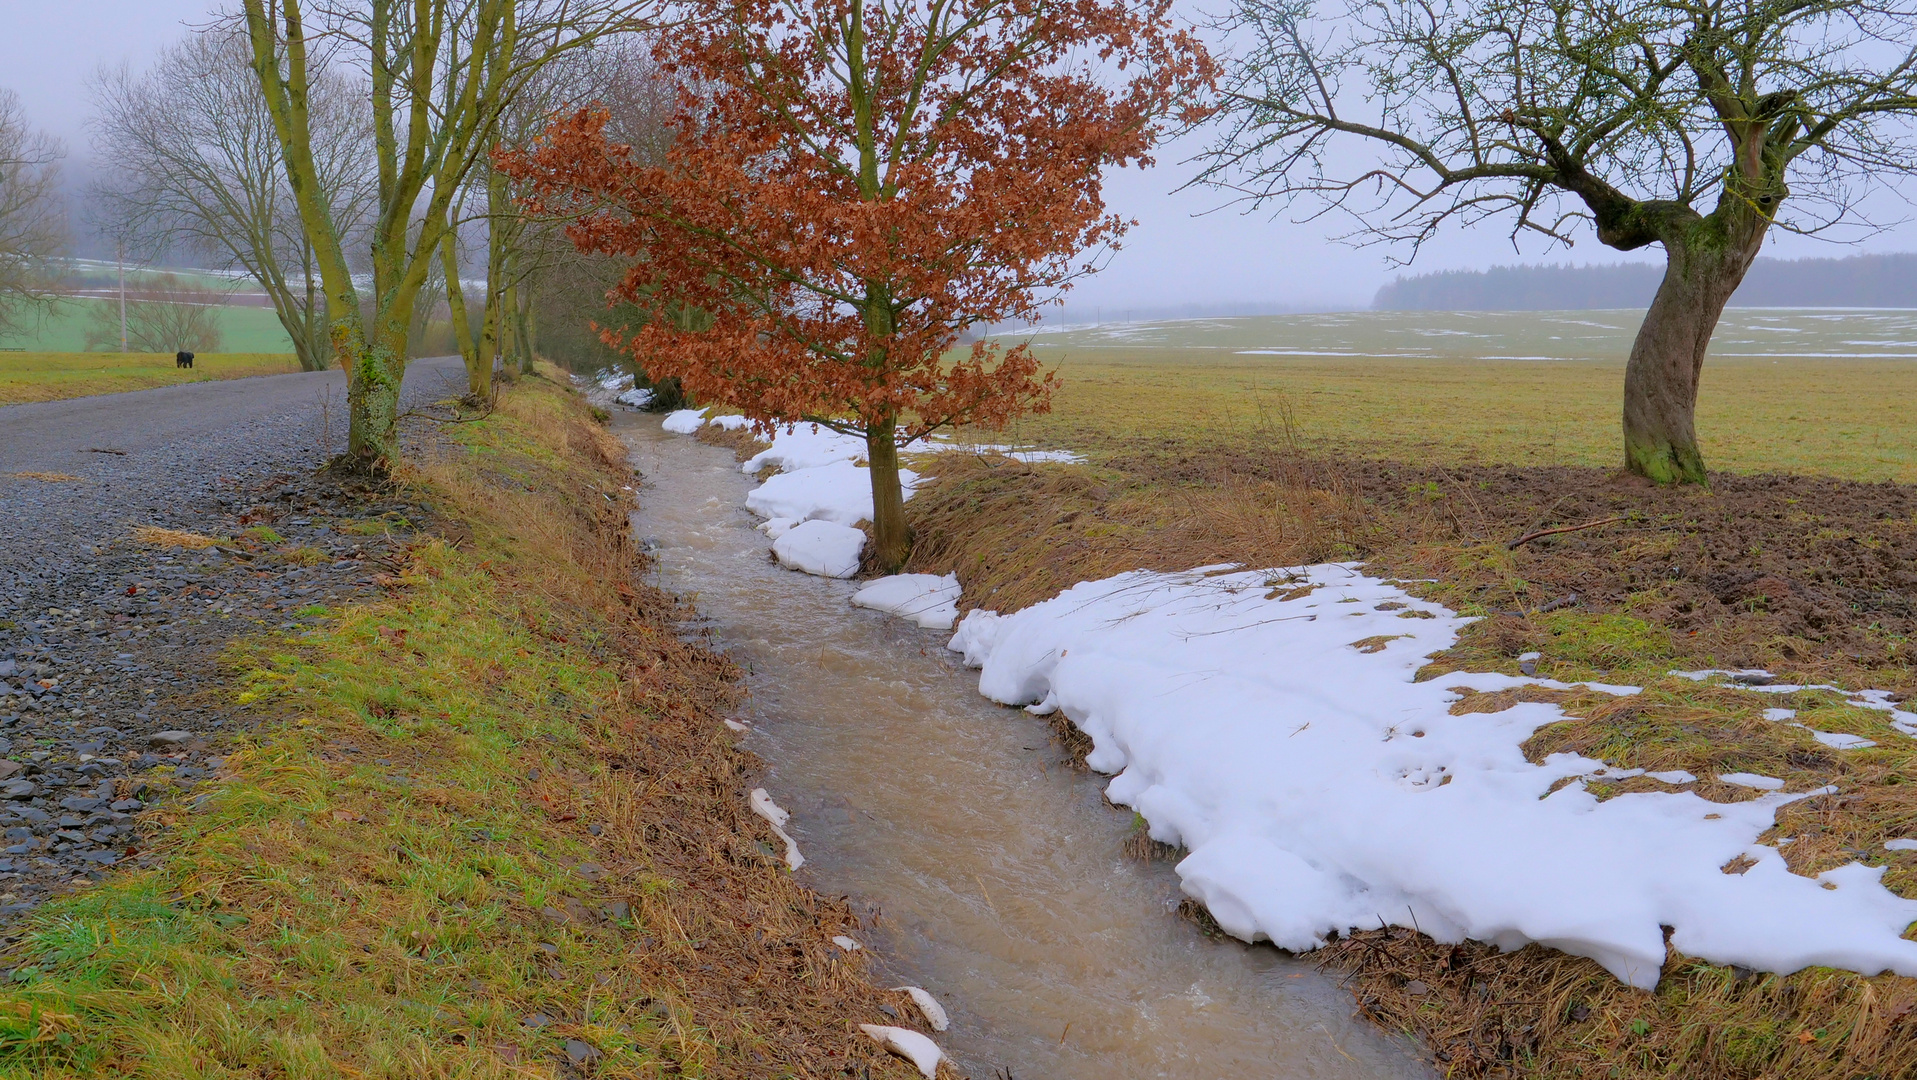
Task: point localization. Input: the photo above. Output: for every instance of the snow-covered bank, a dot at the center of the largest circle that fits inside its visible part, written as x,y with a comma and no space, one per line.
821,491
1281,739
1318,788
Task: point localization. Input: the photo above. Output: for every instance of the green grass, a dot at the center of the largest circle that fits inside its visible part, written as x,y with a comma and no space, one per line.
1419,386
54,376
63,329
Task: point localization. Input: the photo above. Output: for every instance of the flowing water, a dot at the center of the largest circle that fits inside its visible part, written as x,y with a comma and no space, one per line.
998,870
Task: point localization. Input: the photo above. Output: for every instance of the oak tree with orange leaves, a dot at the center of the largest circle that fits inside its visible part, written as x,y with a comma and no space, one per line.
853,184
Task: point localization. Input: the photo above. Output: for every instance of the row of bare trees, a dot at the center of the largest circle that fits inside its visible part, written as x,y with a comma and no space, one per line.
339,155
33,227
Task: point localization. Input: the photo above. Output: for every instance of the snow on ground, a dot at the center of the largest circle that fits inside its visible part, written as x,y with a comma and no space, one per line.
638,398
685,421
1319,788
822,478
820,547
927,599
838,491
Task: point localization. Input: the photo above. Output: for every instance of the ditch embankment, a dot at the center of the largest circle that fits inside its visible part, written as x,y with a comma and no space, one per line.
1810,578
481,819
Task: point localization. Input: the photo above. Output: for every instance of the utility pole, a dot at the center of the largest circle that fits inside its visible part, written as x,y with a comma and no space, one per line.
121,251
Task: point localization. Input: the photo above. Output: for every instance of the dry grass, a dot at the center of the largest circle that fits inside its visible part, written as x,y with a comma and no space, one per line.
743,442
157,536
503,792
30,377
1839,417
49,477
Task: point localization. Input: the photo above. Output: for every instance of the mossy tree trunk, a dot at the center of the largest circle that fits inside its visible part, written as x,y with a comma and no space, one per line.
479,370
890,539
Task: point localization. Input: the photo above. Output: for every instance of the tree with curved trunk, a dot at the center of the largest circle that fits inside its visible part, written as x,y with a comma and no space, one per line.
1685,124
853,184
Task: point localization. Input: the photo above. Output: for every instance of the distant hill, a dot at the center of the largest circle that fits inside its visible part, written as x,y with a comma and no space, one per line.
1888,281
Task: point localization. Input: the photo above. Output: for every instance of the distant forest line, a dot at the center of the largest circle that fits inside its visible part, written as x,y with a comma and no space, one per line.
1878,281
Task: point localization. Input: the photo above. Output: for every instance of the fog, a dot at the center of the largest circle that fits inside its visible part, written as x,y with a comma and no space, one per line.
1190,251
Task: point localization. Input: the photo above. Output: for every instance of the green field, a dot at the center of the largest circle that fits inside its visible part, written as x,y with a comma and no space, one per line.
63,329
52,376
1784,391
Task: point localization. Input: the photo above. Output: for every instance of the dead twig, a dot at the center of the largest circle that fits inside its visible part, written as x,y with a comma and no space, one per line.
1541,533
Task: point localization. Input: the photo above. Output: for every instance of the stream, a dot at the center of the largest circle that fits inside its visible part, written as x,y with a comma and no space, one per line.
998,870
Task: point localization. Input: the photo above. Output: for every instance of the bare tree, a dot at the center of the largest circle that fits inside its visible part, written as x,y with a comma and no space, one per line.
191,159
33,226
166,315
440,72
1686,124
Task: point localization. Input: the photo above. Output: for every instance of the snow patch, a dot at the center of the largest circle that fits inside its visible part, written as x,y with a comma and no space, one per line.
914,1047
1320,788
685,421
776,816
806,446
839,492
929,1006
637,398
1752,780
927,599
820,547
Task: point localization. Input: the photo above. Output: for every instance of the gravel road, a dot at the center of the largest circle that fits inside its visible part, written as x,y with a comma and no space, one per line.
108,645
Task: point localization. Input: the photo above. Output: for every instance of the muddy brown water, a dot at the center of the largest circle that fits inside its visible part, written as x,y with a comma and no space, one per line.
997,871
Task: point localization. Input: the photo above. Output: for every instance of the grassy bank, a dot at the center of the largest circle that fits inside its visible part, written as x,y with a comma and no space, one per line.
490,825
53,376
1805,575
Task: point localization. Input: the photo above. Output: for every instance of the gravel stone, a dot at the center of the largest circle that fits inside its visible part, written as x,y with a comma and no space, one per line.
110,693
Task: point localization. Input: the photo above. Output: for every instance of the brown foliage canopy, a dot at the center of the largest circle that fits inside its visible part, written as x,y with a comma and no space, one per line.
853,183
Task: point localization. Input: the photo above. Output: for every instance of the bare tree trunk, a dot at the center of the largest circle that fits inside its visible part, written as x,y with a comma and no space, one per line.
509,330
479,370
523,327
1667,358
890,538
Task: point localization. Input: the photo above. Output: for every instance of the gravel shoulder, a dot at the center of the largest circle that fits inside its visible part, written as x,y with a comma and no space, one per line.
108,644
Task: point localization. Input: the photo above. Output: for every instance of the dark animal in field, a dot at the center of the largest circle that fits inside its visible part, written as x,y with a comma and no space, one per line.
182,359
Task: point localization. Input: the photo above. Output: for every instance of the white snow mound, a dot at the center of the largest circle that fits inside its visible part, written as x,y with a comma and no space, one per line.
806,446
927,599
685,421
1319,788
820,547
838,491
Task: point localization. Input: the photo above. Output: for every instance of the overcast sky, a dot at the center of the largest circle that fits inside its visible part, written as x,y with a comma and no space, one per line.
1180,254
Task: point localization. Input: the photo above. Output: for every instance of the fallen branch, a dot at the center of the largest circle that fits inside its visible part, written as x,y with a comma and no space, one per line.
1541,533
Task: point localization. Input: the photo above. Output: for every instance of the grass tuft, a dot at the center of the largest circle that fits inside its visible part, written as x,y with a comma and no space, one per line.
157,536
